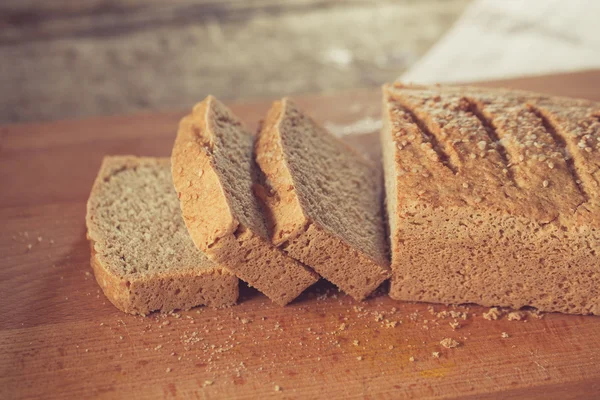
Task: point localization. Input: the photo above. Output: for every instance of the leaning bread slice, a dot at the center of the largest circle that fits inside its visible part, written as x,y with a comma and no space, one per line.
493,197
214,173
142,255
323,201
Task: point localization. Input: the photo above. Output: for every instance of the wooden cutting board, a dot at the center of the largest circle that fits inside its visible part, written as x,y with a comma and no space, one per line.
60,337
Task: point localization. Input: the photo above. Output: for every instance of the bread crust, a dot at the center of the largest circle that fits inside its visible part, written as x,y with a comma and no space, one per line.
215,287
166,290
492,197
291,196
214,172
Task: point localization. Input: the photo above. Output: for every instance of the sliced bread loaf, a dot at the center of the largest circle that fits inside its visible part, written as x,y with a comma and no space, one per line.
142,255
214,173
323,201
493,197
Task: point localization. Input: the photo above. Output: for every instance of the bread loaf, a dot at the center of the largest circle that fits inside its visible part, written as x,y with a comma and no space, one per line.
322,201
142,255
214,173
493,197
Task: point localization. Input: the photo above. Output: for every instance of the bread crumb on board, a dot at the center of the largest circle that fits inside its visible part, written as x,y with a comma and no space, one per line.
505,335
493,314
516,316
449,343
278,388
411,359
537,314
435,354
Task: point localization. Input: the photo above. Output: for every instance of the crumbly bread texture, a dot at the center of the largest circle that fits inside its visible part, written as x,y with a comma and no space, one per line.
323,201
493,197
142,255
214,173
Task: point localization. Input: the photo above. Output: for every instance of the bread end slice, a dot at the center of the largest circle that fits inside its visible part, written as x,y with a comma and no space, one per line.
492,197
141,254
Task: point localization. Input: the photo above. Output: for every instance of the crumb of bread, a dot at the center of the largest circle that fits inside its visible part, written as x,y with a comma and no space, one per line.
278,388
516,316
169,370
359,358
458,314
536,314
435,354
208,383
505,335
411,359
449,343
455,325
493,314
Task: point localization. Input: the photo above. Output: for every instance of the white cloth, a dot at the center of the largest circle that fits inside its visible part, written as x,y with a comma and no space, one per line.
497,39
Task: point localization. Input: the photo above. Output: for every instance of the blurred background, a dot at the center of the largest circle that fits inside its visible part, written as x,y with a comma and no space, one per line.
67,58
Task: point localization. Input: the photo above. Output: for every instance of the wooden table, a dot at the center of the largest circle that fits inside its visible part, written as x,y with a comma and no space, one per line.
60,338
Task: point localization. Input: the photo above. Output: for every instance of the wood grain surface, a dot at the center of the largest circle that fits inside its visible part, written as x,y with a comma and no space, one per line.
60,338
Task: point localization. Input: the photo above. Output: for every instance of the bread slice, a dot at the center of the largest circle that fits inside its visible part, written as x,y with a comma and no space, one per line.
142,255
493,197
323,201
214,173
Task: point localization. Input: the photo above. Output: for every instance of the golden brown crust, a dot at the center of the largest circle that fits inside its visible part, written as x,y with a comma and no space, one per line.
282,209
219,207
481,185
322,203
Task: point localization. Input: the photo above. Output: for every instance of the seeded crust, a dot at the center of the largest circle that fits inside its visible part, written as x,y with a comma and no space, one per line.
142,256
322,203
214,173
493,197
